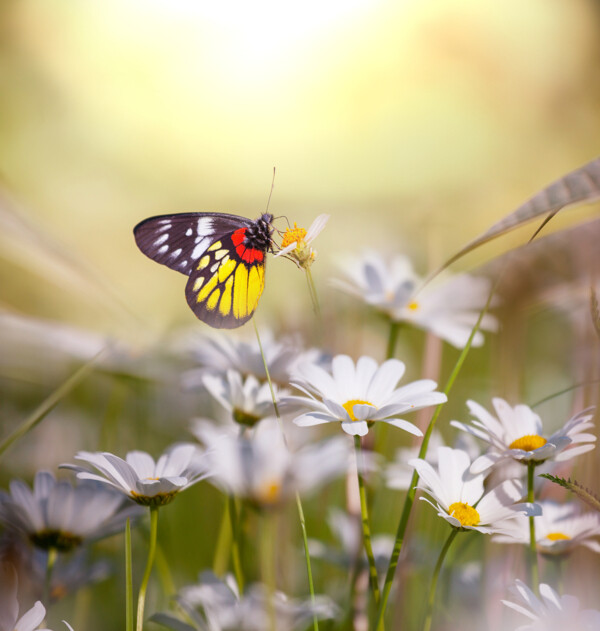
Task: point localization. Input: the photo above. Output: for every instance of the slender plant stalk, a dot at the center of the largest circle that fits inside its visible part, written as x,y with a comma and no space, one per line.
50,561
268,543
128,579
48,405
235,543
434,579
392,339
366,528
298,500
224,542
312,290
533,560
148,570
410,496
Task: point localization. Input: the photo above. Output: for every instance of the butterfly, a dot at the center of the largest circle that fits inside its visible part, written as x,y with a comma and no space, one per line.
223,255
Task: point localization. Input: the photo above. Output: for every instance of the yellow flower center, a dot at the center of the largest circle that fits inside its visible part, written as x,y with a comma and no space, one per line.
466,515
557,536
269,492
349,407
413,306
528,442
295,235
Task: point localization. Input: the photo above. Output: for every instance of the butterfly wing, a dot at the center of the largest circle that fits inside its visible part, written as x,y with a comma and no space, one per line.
179,241
224,287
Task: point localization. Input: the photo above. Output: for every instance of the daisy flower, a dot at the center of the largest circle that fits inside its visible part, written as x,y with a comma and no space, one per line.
216,605
460,498
247,400
262,469
60,515
551,612
218,354
559,529
448,308
357,395
9,605
295,244
139,477
516,433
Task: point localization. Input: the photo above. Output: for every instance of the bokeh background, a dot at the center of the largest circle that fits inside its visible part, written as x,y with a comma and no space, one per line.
415,125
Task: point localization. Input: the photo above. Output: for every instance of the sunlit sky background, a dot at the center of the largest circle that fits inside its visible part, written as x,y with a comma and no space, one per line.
414,124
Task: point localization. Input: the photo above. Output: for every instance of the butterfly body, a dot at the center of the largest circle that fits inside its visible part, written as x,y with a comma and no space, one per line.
223,255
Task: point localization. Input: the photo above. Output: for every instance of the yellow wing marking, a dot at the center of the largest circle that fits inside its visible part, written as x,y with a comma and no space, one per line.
240,293
198,283
256,283
210,285
225,305
220,254
204,261
213,299
215,246
226,269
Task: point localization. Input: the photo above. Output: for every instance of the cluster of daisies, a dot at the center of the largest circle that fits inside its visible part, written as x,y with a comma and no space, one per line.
261,452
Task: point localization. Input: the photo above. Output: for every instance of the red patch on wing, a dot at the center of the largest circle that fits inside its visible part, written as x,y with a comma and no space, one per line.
248,255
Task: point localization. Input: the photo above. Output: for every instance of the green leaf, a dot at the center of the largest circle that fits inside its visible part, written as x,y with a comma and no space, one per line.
577,187
591,499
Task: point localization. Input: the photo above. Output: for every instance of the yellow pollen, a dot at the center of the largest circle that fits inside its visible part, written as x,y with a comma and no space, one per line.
269,492
413,306
466,515
295,235
349,407
557,536
528,442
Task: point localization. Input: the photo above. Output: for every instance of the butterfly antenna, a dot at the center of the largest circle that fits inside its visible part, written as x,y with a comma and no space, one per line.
271,191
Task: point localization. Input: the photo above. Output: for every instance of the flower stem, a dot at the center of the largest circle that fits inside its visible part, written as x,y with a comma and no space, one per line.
148,570
434,579
533,560
392,339
224,543
235,543
365,521
312,290
128,579
298,500
268,544
50,561
410,496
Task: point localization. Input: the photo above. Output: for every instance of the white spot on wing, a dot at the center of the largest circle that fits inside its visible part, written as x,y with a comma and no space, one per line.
175,253
183,264
200,248
161,239
214,268
163,249
188,232
164,227
204,227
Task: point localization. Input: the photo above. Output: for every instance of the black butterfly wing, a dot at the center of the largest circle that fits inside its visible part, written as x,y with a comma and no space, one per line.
179,241
224,287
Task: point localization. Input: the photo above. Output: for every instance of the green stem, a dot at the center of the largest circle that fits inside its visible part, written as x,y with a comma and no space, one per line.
410,496
224,542
533,560
268,565
235,543
128,579
312,290
392,339
50,561
298,500
434,579
365,521
148,570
